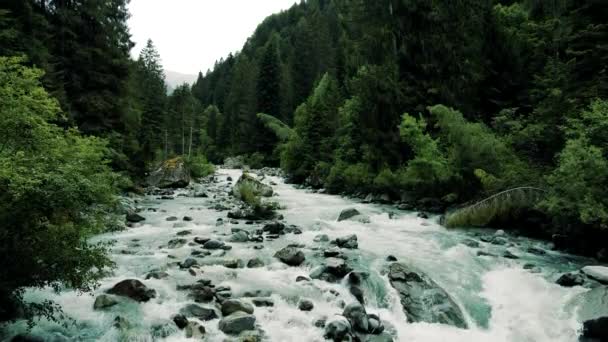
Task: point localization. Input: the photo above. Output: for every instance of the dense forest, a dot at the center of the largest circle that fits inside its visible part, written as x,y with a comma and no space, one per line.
434,104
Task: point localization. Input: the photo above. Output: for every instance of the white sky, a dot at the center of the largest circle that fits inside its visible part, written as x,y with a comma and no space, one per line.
191,35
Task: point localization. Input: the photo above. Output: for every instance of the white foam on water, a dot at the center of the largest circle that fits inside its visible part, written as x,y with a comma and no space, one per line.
501,301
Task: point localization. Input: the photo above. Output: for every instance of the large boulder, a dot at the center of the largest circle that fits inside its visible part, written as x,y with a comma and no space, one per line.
134,218
332,270
134,289
595,330
233,305
422,299
172,173
291,256
348,214
258,188
599,273
237,322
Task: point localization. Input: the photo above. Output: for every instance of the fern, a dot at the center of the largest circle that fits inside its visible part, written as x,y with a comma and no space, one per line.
495,206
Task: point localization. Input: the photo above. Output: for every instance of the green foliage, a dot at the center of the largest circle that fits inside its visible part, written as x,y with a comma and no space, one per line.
578,182
262,209
429,169
280,129
477,154
352,178
199,166
56,189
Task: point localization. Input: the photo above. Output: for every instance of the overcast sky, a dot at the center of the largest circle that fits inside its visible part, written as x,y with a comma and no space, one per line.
192,34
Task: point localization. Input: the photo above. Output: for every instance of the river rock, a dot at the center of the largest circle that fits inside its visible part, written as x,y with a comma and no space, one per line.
321,238
348,214
571,279
275,227
176,243
213,244
599,273
255,263
338,329
470,243
337,267
349,242
262,302
233,305
259,188
595,330
180,321
195,330
172,173
104,301
356,315
239,237
202,313
422,299
134,289
305,305
188,263
375,324
357,292
291,256
157,275
135,218
202,293
171,218
163,330
236,323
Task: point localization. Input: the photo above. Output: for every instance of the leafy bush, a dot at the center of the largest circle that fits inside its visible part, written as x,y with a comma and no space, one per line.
56,189
386,181
352,178
251,197
430,169
473,151
577,185
199,166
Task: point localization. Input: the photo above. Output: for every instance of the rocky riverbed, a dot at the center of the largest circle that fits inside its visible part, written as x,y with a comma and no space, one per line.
326,268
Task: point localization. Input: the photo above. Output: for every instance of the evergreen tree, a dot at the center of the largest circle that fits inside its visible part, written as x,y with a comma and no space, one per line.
152,96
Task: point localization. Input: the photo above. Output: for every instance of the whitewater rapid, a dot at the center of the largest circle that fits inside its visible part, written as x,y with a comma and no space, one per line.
501,300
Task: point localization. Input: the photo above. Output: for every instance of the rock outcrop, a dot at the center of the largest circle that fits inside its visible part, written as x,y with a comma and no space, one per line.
422,299
172,173
134,289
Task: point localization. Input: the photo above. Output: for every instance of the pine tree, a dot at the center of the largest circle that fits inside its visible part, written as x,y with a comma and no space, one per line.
152,96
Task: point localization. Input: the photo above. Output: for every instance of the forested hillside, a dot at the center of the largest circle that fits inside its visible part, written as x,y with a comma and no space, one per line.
435,103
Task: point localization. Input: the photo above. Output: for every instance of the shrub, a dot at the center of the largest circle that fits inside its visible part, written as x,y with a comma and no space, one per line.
56,190
199,166
261,209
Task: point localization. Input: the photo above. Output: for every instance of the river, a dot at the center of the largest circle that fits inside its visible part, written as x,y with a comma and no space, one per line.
502,300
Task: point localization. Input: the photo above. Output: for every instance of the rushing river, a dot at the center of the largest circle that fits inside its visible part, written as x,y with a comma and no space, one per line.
502,300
